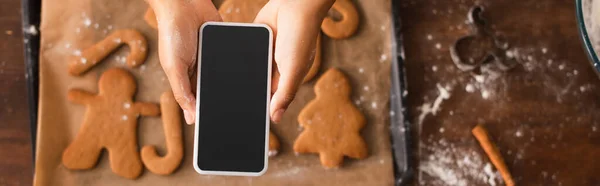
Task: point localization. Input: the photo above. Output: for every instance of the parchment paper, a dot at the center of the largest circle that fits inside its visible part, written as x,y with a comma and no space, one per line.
69,26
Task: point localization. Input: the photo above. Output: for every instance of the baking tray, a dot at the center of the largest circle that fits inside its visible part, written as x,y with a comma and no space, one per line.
399,126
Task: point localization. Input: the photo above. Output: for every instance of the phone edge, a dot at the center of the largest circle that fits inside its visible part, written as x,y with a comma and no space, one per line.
268,118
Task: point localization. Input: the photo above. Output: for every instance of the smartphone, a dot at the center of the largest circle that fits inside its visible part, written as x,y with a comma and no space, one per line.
233,94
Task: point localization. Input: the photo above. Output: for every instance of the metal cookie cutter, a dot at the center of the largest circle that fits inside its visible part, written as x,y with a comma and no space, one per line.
492,47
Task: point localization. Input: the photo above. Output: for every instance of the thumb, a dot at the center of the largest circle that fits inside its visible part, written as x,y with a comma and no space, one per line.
294,52
177,53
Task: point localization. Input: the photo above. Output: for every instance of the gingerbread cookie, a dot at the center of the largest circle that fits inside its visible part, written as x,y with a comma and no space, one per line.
273,144
110,123
244,11
331,122
241,11
345,27
171,118
314,68
150,18
93,55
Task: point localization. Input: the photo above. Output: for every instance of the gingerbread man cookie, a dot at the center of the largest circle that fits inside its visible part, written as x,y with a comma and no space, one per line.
345,27
110,123
273,144
171,118
331,122
93,55
244,11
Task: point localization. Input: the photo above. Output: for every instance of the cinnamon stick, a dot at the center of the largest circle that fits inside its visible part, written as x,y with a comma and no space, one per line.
493,153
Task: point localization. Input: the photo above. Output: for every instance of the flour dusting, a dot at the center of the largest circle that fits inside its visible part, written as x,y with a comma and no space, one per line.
455,166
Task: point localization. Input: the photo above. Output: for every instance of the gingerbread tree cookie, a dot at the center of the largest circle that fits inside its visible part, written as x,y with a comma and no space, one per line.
331,122
110,123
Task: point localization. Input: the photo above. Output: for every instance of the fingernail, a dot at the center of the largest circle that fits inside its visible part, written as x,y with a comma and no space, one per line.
278,115
189,118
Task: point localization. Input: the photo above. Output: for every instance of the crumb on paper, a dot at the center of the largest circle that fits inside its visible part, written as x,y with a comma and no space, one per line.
383,58
272,153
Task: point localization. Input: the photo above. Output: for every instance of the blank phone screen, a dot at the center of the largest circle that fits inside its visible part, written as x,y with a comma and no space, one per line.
233,93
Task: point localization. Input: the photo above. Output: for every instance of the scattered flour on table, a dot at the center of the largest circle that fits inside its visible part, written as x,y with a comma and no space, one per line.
453,166
433,107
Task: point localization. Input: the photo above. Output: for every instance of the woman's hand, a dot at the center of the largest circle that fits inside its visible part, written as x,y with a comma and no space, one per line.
295,24
178,24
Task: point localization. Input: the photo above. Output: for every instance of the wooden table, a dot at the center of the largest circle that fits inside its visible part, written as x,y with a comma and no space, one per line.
542,115
15,143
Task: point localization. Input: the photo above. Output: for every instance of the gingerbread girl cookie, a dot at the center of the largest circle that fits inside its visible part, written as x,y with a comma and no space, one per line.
93,55
110,123
171,118
331,122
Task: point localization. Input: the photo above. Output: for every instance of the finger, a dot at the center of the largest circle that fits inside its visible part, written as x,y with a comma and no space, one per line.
177,53
268,15
294,51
